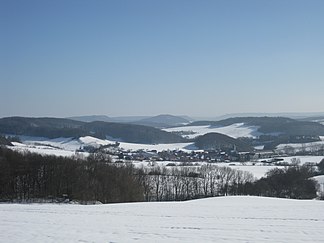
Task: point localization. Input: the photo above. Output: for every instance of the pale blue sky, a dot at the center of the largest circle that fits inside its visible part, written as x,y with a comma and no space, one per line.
199,58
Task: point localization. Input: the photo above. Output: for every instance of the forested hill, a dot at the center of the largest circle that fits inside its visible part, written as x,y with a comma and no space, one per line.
159,121
212,141
282,125
163,121
132,133
41,127
59,127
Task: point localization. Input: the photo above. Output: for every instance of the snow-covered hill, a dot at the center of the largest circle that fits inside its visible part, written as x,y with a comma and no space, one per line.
235,130
222,219
313,146
68,146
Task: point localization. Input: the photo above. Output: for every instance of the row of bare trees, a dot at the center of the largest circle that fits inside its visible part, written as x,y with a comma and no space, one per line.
28,176
184,183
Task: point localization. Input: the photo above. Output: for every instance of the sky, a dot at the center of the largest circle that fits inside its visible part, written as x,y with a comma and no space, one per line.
181,57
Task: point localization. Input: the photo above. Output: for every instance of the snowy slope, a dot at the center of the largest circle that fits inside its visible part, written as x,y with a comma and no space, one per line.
63,143
313,146
68,146
187,147
45,150
59,146
319,179
223,219
94,142
303,159
235,130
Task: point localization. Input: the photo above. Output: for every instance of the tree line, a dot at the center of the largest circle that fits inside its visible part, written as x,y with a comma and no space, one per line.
26,176
289,182
184,183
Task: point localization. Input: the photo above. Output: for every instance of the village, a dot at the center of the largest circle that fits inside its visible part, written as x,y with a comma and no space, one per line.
267,157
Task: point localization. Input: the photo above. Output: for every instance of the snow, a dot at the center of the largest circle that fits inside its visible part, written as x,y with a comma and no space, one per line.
321,121
222,219
235,130
59,146
94,142
260,147
319,179
187,147
68,146
258,170
303,146
303,159
44,150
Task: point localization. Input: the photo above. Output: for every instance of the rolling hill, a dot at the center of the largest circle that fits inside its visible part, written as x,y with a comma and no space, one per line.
160,121
60,127
163,121
214,141
268,125
131,133
220,219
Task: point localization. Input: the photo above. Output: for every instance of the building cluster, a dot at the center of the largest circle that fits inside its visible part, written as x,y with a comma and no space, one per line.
212,156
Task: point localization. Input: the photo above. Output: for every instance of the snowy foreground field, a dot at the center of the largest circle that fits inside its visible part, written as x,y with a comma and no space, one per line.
223,219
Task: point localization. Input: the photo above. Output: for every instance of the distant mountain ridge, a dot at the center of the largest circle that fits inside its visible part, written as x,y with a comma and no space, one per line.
91,118
159,121
122,119
163,121
273,130
61,127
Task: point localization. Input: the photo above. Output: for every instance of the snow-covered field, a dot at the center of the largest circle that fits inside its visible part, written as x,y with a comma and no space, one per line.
258,169
45,150
303,159
68,146
303,146
222,219
187,147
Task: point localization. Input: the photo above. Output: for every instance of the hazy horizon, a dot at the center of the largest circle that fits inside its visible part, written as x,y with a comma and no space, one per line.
128,118
145,58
